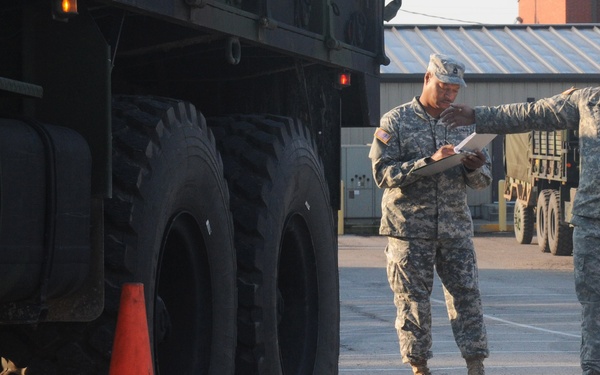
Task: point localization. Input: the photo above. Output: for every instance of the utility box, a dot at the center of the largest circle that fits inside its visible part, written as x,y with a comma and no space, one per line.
362,197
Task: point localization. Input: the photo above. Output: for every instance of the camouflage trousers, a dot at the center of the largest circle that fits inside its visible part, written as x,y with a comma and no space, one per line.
586,260
410,267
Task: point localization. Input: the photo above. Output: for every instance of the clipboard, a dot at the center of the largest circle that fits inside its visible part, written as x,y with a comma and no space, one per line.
474,142
468,145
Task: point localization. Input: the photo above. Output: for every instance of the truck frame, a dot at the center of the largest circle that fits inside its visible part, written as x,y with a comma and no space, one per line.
189,145
542,175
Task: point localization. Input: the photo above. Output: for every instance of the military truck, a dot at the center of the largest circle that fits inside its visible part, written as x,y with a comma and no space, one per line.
542,175
192,146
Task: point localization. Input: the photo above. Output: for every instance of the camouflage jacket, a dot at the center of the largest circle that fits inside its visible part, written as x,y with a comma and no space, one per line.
415,206
573,109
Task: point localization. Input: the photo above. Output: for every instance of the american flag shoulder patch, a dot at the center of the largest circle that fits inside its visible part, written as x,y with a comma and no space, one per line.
382,135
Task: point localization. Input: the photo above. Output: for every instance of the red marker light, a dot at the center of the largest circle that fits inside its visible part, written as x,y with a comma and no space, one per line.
344,79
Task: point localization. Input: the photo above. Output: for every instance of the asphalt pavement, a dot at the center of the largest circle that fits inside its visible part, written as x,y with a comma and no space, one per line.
531,311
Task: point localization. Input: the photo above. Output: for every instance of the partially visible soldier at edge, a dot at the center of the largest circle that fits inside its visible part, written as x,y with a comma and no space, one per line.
427,220
577,109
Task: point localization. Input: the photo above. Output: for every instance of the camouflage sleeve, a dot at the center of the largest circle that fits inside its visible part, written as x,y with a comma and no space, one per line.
557,112
389,170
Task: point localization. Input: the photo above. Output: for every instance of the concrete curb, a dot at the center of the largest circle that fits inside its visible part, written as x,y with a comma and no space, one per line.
491,227
479,226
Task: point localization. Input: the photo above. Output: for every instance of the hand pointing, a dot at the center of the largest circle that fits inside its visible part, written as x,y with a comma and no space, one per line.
458,115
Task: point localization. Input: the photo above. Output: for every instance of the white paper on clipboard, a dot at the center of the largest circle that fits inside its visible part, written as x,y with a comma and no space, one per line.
474,142
471,143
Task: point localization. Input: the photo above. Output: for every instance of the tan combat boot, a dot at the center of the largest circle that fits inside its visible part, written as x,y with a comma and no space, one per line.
420,368
475,366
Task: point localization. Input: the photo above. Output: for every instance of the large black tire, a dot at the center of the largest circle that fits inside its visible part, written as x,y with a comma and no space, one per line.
560,235
523,222
288,319
541,220
168,226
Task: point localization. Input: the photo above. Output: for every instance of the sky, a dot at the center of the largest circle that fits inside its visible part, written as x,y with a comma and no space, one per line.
420,12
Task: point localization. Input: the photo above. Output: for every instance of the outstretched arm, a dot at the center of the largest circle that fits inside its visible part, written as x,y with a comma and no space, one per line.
458,115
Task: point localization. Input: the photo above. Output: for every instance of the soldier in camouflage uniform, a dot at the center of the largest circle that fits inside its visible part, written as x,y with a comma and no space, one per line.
578,110
427,219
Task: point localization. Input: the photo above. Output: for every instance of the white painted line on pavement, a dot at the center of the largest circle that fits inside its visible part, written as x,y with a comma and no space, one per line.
531,327
519,324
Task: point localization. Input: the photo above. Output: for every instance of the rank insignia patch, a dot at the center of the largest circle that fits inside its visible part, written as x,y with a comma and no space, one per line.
382,135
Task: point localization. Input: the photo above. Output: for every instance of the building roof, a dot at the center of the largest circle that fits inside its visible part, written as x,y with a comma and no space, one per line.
529,51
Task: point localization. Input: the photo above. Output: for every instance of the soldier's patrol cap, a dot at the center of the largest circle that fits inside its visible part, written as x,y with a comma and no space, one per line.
447,69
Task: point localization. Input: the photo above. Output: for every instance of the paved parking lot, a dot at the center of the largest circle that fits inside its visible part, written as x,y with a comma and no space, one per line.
531,311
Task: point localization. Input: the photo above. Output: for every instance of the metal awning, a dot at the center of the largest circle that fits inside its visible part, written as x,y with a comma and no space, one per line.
497,50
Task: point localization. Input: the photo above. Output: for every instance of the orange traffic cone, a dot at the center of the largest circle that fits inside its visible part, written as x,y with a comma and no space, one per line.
131,349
